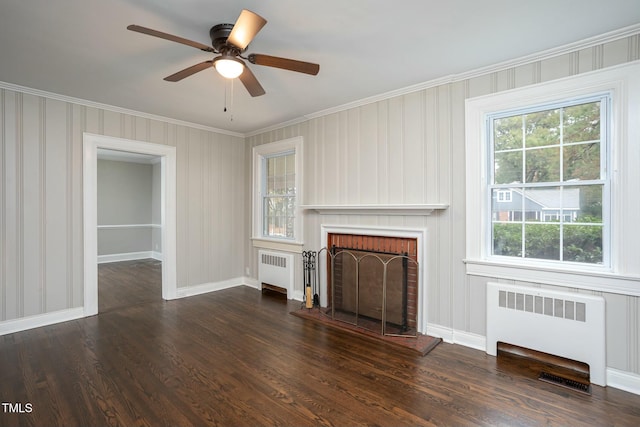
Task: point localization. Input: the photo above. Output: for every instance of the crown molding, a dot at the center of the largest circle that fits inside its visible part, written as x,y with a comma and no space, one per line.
453,78
107,107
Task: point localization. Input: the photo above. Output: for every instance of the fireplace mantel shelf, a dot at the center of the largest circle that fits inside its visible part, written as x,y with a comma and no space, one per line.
368,209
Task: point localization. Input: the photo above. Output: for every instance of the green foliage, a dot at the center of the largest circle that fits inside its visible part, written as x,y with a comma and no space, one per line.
581,242
537,137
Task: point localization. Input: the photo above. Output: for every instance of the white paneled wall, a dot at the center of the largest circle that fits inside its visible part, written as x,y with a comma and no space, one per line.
41,245
410,149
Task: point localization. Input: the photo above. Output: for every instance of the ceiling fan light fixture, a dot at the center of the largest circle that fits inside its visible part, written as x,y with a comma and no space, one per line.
228,66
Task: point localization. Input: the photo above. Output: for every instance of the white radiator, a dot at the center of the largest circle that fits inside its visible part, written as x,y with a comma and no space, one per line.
276,269
564,324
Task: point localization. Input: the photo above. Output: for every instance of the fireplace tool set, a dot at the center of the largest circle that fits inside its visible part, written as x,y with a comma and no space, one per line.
312,299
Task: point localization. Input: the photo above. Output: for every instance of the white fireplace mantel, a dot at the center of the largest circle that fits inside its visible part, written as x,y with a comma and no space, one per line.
376,209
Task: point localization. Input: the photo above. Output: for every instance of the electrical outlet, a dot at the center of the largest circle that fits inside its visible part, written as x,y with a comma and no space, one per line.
247,271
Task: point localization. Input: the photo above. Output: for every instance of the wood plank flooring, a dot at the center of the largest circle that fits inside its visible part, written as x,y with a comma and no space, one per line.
238,358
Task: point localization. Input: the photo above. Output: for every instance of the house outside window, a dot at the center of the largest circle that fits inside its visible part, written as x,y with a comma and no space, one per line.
277,193
554,160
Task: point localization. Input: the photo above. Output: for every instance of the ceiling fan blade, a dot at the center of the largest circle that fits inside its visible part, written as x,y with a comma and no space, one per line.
245,29
170,37
250,82
284,63
188,71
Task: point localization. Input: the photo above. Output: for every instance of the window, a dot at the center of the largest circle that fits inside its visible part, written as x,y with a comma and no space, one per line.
277,191
279,195
554,160
503,195
567,152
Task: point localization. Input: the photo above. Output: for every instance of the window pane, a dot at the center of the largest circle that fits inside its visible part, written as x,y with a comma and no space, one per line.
507,133
590,202
582,123
581,161
507,239
508,167
543,165
542,241
543,204
542,128
582,243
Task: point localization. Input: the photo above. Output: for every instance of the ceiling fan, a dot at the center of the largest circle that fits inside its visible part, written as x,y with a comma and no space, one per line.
230,41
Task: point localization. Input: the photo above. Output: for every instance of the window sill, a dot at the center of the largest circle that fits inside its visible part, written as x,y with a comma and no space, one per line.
589,279
278,244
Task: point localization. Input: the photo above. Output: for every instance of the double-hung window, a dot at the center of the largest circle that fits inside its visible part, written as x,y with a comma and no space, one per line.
551,161
552,172
277,191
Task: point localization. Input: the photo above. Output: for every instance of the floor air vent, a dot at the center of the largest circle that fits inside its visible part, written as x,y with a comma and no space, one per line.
565,382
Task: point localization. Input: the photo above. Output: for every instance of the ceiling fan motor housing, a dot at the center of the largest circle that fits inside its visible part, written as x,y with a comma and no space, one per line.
219,34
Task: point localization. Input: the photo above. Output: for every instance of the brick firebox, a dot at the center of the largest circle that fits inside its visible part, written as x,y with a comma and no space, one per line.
387,245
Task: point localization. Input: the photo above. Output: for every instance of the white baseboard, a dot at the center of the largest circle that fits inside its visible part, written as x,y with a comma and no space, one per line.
30,322
204,288
297,296
627,381
623,380
453,336
129,256
251,282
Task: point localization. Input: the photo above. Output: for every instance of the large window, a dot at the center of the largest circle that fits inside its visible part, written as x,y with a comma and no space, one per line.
548,181
277,189
552,172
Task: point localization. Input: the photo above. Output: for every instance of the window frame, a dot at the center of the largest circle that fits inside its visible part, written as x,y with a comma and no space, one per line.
260,154
622,275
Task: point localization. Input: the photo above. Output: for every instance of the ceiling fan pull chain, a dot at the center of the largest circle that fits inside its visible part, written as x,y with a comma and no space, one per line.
225,98
231,118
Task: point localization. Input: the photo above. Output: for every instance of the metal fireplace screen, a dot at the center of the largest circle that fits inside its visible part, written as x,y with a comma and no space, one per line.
370,289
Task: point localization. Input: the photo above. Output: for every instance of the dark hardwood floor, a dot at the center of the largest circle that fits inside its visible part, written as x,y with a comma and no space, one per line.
238,358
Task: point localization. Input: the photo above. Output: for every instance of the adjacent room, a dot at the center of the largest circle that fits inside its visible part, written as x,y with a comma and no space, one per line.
319,213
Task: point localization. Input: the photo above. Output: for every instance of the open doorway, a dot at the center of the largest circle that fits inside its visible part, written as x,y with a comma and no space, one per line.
167,156
129,229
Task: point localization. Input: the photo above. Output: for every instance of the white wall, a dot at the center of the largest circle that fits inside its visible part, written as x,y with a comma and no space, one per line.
124,198
410,149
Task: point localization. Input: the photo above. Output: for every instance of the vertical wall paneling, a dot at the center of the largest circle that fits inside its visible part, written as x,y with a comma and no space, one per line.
455,214
413,166
32,180
77,120
7,160
55,250
396,149
381,171
367,157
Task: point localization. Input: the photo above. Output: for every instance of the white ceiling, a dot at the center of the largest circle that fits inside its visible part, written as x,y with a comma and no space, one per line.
82,49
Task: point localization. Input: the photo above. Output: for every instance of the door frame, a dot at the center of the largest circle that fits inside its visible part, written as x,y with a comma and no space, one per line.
168,174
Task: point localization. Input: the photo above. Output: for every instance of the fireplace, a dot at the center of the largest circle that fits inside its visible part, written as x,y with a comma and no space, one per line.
372,281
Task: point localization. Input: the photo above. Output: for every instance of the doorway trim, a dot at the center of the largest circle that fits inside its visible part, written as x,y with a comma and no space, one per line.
167,154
